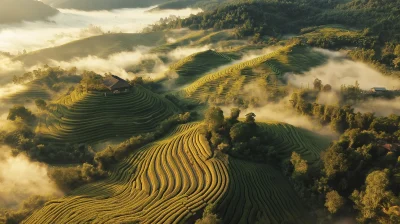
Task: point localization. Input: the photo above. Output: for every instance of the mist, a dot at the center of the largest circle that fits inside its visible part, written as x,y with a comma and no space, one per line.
8,68
21,178
381,107
341,71
70,25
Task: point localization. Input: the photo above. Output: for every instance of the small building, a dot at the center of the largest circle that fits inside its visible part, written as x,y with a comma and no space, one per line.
378,89
116,84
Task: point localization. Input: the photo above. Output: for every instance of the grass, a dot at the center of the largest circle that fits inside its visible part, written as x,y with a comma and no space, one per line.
90,117
174,178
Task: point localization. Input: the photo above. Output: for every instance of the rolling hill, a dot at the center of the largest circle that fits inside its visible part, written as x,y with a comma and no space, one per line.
100,46
175,178
82,117
193,66
266,71
12,12
90,5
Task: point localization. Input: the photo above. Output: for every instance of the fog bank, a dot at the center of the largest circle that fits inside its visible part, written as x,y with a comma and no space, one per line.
71,25
20,178
341,71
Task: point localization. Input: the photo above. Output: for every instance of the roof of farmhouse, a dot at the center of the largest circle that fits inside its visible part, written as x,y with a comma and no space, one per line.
115,82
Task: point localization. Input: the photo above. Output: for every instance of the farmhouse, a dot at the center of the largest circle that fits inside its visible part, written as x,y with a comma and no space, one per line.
115,83
378,89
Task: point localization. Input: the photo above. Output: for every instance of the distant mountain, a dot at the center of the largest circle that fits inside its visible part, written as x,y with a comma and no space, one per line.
13,11
90,5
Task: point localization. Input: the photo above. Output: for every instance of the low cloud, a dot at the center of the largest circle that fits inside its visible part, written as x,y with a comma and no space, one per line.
70,25
21,178
283,112
339,71
381,107
9,68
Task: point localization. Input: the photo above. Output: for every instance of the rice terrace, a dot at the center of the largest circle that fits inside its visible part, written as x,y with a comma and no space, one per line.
198,111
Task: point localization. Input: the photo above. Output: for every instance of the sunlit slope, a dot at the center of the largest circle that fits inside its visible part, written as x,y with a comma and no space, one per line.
173,179
287,139
100,46
87,117
164,182
198,38
193,66
265,71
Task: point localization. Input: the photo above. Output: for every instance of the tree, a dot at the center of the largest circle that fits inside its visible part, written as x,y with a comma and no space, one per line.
299,164
335,161
333,201
214,118
317,84
327,88
375,198
235,113
250,117
19,111
40,104
209,216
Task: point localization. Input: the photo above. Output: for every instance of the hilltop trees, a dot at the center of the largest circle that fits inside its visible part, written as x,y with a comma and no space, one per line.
375,199
242,139
22,113
333,201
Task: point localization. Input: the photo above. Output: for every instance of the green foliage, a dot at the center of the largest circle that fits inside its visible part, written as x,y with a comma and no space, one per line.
20,112
27,208
300,166
214,118
70,178
375,198
333,201
110,156
40,104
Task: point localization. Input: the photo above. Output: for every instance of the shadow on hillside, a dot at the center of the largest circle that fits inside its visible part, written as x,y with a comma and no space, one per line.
259,193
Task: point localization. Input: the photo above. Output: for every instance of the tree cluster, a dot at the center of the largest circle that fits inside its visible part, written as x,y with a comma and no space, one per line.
243,139
359,171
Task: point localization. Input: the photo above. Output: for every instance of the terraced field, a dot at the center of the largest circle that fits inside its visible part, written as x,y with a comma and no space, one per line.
287,139
259,193
193,66
87,117
171,180
230,82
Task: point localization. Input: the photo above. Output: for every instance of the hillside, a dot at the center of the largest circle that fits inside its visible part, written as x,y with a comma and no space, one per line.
90,5
100,46
48,87
82,117
175,178
32,10
190,68
264,72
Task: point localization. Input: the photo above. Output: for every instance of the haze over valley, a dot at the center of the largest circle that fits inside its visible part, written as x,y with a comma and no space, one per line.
194,111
